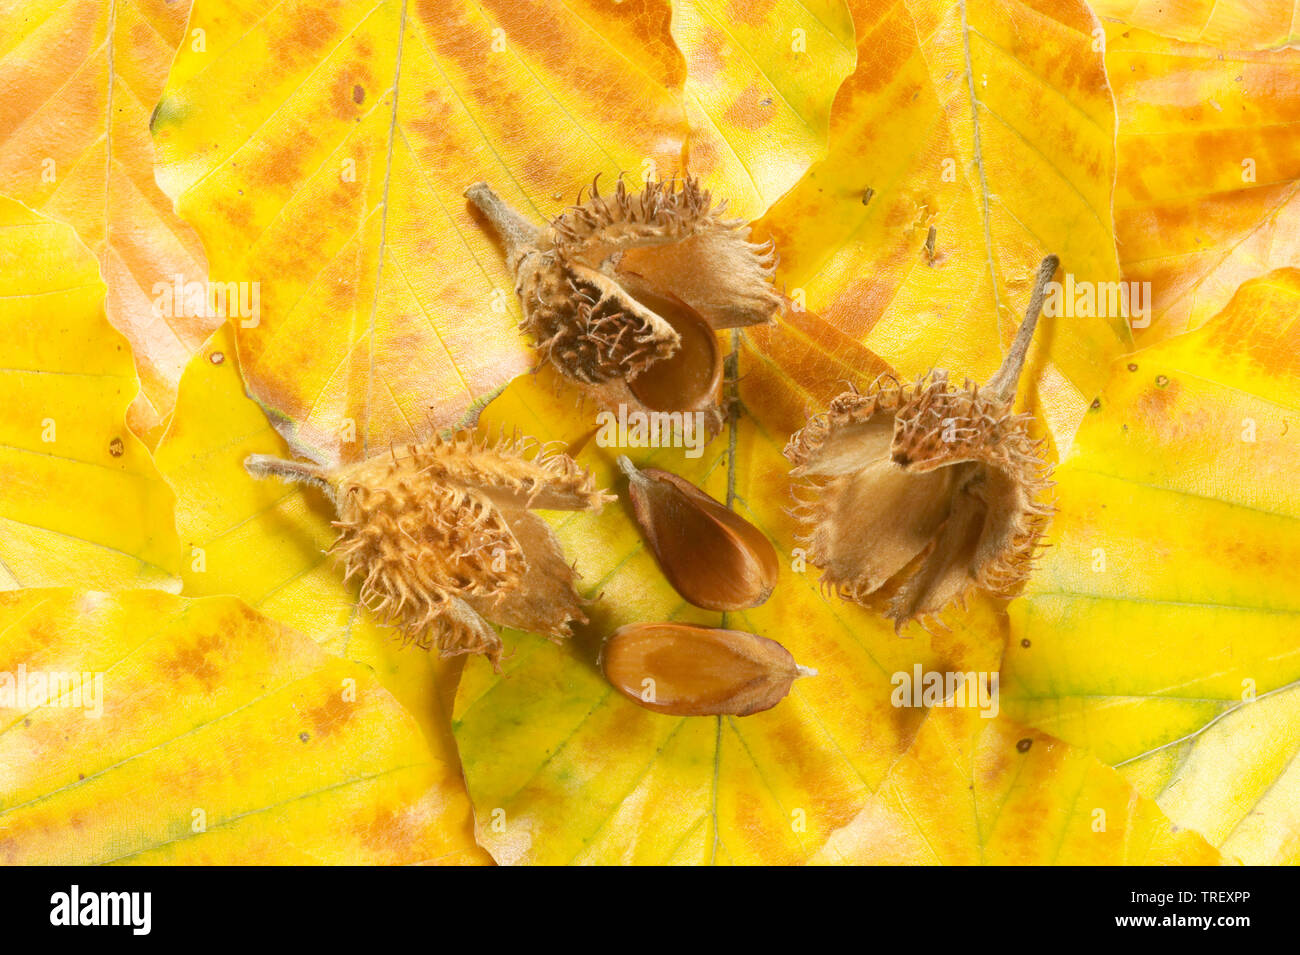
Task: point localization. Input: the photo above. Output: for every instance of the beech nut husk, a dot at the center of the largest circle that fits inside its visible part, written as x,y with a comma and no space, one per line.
914,496
443,539
710,554
623,293
686,670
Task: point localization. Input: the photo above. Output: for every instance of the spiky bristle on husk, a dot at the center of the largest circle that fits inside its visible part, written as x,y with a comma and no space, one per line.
585,324
667,210
414,545
671,238
512,470
448,521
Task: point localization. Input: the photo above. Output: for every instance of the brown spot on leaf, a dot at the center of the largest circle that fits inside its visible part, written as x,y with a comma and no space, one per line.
116,448
1023,745
706,56
329,716
193,661
748,111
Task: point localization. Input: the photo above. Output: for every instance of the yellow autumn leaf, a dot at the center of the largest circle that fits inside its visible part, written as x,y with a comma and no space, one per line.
146,728
322,151
1208,187
266,542
973,791
80,498
1236,781
971,140
760,78
1162,628
1233,24
79,80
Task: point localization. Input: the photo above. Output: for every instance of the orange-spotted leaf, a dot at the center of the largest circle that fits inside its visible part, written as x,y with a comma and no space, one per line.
760,78
144,728
1228,24
79,80
975,791
1208,187
322,151
266,541
971,140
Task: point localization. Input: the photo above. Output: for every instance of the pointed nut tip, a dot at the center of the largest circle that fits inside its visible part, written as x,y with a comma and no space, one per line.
802,670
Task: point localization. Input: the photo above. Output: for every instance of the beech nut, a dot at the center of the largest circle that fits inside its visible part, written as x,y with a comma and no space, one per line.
686,670
710,554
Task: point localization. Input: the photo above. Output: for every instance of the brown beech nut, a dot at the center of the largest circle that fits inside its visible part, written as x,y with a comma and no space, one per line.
689,380
686,670
711,555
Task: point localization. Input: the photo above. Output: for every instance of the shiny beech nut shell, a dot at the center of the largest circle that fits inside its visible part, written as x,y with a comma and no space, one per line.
690,379
686,670
713,557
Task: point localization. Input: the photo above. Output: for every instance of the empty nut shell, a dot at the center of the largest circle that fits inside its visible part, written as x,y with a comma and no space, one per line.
711,555
687,670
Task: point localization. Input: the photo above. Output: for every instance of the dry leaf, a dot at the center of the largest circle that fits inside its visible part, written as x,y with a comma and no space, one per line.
759,82
1234,24
971,791
1207,193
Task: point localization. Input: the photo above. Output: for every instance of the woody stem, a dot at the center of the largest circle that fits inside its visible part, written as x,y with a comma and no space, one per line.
517,233
297,472
1003,384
